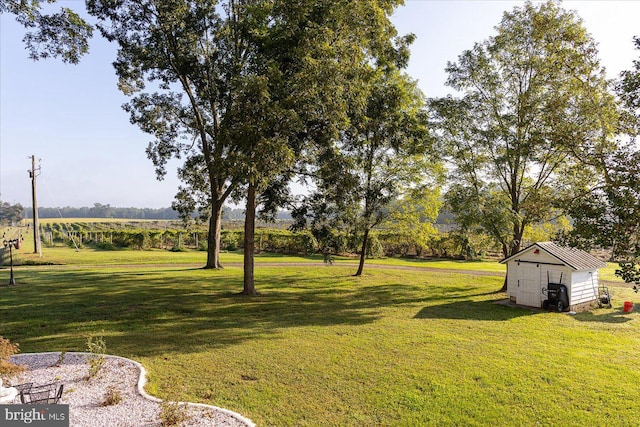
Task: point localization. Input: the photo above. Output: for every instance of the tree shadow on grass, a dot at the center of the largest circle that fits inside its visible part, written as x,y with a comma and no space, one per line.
150,314
607,316
151,311
468,309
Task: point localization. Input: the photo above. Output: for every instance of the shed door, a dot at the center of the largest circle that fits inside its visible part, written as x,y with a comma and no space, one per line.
528,285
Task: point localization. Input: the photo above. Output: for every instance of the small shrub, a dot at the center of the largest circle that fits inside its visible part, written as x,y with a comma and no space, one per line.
374,247
75,244
60,360
173,414
140,240
230,239
8,349
111,397
105,246
97,347
304,243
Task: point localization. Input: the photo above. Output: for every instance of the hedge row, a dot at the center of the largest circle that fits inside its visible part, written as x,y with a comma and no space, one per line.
381,243
133,239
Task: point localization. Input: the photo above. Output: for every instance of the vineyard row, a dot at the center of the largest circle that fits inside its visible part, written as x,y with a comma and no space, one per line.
382,243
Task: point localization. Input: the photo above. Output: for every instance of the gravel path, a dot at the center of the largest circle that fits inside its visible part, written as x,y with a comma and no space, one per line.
84,397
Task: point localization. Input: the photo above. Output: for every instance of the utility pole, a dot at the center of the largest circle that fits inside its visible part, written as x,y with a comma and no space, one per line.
37,249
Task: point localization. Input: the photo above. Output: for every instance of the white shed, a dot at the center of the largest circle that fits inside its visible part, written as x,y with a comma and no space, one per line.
531,270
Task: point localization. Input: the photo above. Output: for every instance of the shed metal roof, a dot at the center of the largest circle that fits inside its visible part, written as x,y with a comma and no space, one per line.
575,258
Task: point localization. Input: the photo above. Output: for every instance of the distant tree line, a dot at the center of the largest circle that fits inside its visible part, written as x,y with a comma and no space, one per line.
14,213
10,214
99,210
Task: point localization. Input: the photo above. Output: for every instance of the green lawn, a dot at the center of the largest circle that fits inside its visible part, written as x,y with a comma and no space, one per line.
89,256
320,347
63,255
92,257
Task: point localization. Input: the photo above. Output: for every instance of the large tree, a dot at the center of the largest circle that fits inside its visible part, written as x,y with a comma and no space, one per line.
534,105
237,87
381,157
608,215
306,91
197,59
386,147
189,54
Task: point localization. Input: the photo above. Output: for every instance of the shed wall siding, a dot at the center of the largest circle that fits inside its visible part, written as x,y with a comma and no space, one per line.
555,274
583,288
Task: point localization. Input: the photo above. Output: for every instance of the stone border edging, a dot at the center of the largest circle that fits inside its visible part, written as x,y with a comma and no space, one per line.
142,380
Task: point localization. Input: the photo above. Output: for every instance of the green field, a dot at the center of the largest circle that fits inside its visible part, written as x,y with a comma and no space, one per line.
91,257
396,346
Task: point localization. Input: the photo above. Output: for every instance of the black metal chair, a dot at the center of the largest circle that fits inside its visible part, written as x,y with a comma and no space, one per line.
42,394
23,387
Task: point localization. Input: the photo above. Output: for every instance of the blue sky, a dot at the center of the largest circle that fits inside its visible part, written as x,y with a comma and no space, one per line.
70,116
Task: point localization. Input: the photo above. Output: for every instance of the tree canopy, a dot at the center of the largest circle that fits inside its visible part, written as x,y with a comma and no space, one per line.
63,34
381,159
608,216
628,87
534,104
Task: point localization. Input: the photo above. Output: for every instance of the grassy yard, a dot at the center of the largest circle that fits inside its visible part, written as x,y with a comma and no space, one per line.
92,257
319,347
64,255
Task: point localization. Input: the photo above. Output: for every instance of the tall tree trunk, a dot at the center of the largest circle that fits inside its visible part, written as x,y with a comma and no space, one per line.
363,252
505,250
514,248
516,243
213,237
504,285
249,241
506,254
